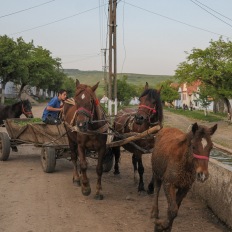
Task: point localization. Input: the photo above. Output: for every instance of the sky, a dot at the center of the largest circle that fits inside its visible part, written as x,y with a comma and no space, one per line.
153,36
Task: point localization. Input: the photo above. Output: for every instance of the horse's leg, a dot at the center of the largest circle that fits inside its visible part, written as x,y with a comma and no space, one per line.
73,149
181,193
99,170
85,186
166,225
155,184
135,165
117,154
141,171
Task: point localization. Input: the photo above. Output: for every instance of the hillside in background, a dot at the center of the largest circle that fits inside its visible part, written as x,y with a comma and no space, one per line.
92,77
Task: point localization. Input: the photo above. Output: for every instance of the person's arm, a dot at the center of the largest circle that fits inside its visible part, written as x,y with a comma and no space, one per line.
50,108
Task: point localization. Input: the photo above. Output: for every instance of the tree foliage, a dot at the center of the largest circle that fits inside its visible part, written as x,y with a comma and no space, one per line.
213,67
25,64
125,91
168,92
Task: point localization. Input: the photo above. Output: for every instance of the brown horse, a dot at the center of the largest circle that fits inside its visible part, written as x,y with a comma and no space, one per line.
148,114
16,110
85,124
178,159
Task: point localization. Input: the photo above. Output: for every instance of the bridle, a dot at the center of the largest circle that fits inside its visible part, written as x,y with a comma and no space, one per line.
200,157
82,110
150,113
26,113
151,110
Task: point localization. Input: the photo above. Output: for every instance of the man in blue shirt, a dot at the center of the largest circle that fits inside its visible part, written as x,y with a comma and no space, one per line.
53,108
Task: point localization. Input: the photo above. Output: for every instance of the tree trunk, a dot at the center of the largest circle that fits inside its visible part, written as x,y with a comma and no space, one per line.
37,91
228,106
21,90
3,93
215,108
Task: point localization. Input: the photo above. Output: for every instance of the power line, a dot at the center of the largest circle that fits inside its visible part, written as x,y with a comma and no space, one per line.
25,9
189,25
214,10
59,20
211,13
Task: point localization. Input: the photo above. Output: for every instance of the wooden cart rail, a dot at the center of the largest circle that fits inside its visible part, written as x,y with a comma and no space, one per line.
36,133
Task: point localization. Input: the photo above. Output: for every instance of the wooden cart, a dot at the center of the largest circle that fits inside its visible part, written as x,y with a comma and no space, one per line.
52,139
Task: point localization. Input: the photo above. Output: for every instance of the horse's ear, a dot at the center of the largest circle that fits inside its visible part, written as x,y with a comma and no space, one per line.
77,82
146,86
213,129
194,128
95,86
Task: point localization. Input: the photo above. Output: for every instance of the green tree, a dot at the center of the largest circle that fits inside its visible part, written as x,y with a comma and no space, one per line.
8,61
203,98
168,92
213,67
22,71
125,91
69,85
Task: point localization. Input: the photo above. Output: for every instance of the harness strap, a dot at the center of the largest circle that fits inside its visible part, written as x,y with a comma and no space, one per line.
100,130
26,113
200,157
147,107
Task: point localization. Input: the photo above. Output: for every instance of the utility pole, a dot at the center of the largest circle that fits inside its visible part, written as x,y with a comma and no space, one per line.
105,73
112,95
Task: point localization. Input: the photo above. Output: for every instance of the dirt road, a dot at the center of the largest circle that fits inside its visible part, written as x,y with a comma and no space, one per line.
34,201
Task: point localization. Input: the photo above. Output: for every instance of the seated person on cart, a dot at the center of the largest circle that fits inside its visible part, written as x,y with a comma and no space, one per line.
53,108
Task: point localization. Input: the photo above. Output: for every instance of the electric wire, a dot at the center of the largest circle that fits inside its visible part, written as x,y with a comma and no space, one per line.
16,12
175,20
214,10
211,13
56,21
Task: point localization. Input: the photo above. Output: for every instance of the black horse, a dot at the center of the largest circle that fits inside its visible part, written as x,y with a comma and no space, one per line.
148,114
16,110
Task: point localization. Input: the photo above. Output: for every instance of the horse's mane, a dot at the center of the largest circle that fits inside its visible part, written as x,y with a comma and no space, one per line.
153,94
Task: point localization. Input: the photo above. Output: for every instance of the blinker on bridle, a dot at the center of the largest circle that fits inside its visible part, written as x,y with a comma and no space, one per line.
26,112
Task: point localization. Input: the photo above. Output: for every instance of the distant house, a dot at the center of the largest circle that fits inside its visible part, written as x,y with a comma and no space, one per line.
134,101
189,95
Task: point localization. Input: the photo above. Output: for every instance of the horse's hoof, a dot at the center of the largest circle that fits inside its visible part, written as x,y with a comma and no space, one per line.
116,172
150,191
142,193
86,191
77,183
141,188
98,197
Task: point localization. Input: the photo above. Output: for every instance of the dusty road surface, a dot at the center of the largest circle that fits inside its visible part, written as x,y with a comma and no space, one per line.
34,201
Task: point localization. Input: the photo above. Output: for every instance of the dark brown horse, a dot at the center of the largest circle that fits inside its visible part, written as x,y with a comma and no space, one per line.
16,110
85,124
177,160
148,114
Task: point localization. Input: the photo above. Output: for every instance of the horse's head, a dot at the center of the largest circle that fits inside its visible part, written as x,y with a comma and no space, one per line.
86,102
26,108
150,108
201,146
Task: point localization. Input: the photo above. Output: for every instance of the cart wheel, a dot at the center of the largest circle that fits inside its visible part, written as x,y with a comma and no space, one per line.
48,159
108,161
4,146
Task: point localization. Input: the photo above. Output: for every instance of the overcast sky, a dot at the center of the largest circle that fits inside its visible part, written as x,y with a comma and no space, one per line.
152,35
